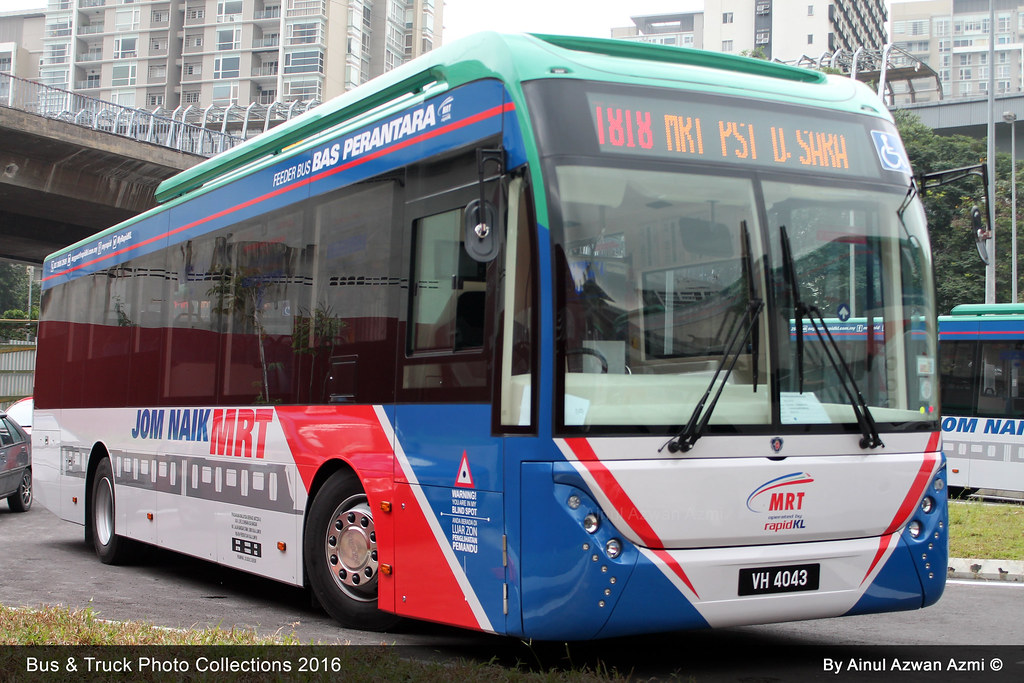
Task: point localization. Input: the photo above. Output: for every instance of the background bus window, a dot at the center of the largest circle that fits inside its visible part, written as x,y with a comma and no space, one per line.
956,361
999,392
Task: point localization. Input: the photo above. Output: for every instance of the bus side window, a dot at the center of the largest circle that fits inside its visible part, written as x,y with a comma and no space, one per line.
956,359
1000,391
448,288
447,317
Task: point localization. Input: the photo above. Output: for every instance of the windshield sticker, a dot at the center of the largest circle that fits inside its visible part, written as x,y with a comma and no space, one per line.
890,151
797,408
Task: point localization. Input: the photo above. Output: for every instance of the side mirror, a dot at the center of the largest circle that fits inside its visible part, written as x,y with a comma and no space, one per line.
981,233
481,234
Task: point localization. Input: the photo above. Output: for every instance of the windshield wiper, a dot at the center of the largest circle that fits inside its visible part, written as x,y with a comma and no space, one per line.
748,268
869,431
799,310
698,422
694,429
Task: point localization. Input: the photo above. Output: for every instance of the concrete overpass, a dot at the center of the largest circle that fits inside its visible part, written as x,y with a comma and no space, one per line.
61,182
967,116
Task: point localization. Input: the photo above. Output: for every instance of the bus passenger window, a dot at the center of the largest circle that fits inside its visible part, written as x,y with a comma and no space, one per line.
1000,391
956,360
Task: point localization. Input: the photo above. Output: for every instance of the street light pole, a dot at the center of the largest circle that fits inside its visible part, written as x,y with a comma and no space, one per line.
1011,119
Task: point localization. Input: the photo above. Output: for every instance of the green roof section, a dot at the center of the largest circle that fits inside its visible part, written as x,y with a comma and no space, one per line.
987,309
520,57
685,56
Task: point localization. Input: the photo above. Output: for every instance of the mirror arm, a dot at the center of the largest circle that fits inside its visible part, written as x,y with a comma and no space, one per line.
483,155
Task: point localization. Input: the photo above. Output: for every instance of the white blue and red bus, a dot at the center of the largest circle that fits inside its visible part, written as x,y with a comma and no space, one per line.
502,340
982,368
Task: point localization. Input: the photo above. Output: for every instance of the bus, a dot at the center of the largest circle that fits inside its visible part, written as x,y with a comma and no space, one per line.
502,340
981,359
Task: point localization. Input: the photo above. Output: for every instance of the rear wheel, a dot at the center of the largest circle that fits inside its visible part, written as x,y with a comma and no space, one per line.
110,548
340,553
21,500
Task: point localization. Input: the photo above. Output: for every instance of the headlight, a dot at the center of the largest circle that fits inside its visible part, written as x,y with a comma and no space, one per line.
915,528
591,522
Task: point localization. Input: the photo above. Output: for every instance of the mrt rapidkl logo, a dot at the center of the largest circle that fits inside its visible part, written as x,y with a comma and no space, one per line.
784,493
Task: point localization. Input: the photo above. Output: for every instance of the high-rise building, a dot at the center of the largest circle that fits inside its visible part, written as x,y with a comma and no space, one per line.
781,30
952,36
18,31
170,53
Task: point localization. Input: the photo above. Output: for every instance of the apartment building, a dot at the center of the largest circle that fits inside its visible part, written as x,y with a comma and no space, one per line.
952,36
19,31
784,30
167,53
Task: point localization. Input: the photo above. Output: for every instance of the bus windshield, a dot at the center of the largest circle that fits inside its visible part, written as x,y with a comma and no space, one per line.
659,268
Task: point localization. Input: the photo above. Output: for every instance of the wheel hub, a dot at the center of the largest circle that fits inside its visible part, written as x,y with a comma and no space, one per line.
351,549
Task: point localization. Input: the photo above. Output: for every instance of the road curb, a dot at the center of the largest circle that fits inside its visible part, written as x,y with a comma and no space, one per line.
1009,571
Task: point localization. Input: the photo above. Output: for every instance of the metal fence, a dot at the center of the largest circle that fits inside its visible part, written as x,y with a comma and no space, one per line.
17,370
138,124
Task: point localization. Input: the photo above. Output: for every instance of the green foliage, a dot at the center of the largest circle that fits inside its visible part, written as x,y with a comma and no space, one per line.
14,287
14,299
757,53
959,272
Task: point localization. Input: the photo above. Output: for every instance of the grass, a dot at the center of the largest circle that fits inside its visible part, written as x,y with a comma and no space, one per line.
91,637
62,626
977,530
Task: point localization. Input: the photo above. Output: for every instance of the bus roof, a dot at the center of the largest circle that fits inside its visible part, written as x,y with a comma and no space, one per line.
529,56
987,309
513,59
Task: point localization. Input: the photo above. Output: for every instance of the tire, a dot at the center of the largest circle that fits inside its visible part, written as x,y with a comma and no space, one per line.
109,547
21,500
340,554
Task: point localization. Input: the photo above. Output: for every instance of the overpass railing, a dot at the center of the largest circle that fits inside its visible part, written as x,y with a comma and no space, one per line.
138,124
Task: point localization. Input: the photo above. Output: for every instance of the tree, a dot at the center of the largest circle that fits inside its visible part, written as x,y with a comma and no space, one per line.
14,287
959,272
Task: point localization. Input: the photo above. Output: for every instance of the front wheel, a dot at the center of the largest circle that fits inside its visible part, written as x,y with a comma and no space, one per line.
110,548
21,500
340,553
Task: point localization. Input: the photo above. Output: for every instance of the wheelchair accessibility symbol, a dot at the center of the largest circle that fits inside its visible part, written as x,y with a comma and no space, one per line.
890,151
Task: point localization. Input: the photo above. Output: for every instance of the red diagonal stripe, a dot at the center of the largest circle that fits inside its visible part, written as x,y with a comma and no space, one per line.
625,506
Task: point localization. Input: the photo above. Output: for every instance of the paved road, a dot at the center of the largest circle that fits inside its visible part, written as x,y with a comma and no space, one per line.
44,561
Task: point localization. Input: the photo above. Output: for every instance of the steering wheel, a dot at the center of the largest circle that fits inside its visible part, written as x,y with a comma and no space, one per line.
586,351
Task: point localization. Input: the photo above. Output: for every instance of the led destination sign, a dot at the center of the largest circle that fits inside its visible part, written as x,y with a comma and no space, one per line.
709,131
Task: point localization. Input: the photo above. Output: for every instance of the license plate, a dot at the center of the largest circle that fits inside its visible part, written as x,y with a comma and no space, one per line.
785,579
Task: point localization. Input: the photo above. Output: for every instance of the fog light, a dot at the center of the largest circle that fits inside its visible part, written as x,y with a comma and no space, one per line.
915,528
613,548
927,505
591,523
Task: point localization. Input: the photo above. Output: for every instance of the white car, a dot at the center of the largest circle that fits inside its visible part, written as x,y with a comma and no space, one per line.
21,412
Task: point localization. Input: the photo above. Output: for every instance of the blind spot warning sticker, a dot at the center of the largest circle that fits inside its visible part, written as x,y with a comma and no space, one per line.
465,477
